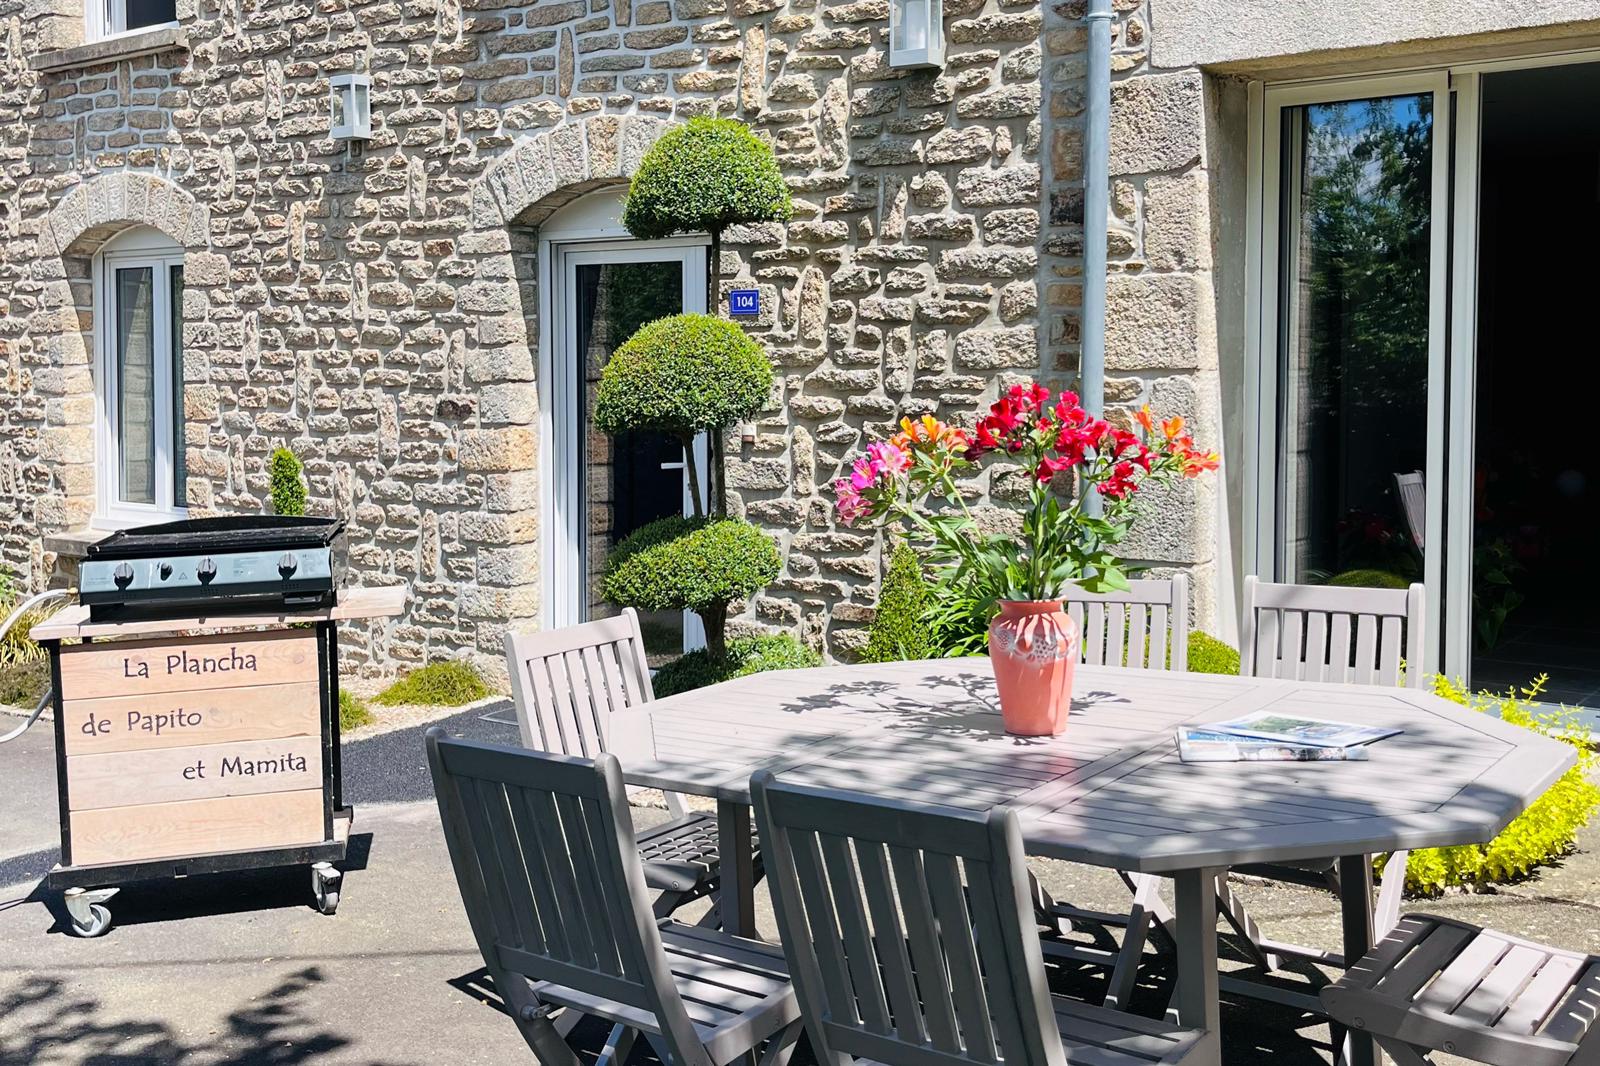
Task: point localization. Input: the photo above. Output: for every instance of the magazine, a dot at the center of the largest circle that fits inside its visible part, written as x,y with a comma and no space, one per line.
1205,745
1293,729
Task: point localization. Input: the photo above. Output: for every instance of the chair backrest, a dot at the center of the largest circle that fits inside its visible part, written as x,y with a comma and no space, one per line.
1328,633
1135,628
909,931
1413,504
548,867
567,683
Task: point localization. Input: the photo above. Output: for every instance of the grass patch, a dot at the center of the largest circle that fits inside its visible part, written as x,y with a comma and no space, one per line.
441,684
353,711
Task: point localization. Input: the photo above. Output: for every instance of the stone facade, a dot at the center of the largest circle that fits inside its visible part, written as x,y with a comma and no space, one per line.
371,311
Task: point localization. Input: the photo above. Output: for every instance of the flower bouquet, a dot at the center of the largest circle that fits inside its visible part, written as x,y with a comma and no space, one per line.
914,479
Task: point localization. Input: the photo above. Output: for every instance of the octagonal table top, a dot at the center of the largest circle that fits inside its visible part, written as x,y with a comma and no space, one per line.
1111,790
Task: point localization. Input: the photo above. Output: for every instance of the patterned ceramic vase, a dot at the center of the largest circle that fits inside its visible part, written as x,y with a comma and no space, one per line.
1034,648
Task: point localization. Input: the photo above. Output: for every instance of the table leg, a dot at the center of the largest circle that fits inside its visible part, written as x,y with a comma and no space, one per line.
738,895
1196,1003
1355,906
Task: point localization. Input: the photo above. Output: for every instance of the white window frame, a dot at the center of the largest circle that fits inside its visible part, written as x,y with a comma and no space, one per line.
105,19
139,248
1263,548
588,232
1452,352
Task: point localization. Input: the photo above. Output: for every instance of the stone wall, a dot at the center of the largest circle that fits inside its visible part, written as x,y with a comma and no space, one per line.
369,311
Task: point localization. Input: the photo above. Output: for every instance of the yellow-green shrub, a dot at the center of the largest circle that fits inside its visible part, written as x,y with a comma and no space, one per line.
1542,833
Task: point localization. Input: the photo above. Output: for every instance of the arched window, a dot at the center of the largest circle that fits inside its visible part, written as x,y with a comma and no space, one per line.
138,318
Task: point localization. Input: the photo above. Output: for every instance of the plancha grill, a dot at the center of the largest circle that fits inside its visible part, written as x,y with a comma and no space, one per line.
211,565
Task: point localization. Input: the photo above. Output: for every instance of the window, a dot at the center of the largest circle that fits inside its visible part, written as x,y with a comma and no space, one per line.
108,18
138,330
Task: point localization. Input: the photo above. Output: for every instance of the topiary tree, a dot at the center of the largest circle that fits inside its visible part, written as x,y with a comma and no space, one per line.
702,177
898,629
692,564
287,490
684,375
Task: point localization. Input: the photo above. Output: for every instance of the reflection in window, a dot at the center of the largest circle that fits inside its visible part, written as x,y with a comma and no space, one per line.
1353,335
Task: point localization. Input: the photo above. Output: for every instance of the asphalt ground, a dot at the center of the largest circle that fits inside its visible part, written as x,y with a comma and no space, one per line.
240,968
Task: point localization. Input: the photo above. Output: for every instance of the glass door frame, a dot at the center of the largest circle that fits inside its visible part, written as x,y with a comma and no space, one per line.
564,500
1264,540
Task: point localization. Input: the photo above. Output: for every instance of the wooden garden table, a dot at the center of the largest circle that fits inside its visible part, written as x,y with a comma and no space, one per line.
1110,791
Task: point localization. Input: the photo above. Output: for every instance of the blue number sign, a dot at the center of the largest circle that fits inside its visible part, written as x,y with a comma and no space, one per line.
744,302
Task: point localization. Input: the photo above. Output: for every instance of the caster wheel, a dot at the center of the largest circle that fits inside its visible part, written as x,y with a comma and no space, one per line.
86,907
99,921
325,887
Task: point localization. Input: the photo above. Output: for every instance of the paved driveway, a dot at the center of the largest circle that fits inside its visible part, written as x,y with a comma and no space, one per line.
241,969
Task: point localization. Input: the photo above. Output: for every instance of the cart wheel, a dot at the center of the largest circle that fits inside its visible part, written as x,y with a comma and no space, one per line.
86,907
325,885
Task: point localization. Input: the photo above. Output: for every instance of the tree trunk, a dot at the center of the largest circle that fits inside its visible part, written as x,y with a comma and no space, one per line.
694,473
715,620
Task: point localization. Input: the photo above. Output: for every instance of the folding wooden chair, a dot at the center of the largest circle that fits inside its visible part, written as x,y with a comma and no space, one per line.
910,935
1434,984
1326,633
572,686
549,871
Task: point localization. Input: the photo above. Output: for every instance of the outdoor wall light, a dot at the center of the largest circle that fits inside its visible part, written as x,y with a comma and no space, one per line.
351,101
916,33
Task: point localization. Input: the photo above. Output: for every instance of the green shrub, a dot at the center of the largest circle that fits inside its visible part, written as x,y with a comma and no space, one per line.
442,684
1208,655
682,375
1542,833
745,655
1369,579
288,491
702,177
691,564
23,683
898,629
353,711
958,622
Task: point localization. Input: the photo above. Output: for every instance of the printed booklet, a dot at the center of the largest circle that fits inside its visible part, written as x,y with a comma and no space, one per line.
1197,744
1292,729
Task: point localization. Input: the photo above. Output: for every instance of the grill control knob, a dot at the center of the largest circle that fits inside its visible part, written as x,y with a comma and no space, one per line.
123,575
164,571
287,565
206,570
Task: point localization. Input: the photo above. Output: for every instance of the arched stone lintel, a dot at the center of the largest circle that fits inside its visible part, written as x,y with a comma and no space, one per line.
553,167
95,211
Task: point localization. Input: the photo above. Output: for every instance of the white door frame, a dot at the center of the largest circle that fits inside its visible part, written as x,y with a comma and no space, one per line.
1262,474
1448,573
564,501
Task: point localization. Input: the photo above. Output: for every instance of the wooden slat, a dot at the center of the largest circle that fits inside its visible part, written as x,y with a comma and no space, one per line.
1578,1010
1316,657
171,775
1538,999
1423,962
1267,644
890,939
158,667
140,723
72,623
1366,650
196,827
923,936
1389,652
859,954
1293,655
823,922
1501,985
966,982
1458,980
1339,649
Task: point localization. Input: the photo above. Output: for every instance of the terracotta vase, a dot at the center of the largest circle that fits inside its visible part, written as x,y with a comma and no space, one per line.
1034,648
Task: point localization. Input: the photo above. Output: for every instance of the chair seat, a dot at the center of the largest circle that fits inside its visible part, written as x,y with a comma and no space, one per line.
1446,985
683,854
1100,1036
735,990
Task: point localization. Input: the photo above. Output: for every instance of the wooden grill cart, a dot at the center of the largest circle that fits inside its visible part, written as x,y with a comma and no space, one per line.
199,745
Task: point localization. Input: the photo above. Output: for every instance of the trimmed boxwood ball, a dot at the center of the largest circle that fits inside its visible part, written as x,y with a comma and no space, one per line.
702,177
692,564
1369,579
682,375
745,655
1208,655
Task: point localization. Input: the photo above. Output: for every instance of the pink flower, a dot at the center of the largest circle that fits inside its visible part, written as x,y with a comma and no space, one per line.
887,458
862,474
851,505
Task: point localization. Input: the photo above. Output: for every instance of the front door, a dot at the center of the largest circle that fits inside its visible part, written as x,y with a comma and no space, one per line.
604,488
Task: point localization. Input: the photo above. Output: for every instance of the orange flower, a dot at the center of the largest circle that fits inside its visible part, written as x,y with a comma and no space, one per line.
1145,418
1172,426
926,432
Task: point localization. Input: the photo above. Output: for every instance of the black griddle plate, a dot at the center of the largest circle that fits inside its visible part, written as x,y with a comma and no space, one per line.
233,534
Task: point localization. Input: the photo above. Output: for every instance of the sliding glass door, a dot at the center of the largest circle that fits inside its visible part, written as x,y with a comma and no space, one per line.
1349,378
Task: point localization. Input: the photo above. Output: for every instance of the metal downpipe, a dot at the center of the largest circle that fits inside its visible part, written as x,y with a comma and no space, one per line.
1096,209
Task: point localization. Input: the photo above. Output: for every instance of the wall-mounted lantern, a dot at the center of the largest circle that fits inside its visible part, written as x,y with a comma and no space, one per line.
916,33
351,100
